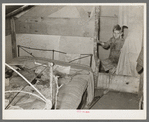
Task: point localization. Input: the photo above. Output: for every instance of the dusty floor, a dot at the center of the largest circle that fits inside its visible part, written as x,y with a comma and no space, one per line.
116,100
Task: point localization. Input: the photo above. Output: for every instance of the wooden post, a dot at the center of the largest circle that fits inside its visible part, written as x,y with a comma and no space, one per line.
13,38
51,79
97,14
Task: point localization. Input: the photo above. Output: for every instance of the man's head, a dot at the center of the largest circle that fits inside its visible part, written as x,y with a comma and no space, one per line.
117,32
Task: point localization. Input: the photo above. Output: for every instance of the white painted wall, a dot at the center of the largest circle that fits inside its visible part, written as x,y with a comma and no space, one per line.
68,44
49,42
109,11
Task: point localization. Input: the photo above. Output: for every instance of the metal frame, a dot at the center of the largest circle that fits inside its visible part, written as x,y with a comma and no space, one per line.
53,52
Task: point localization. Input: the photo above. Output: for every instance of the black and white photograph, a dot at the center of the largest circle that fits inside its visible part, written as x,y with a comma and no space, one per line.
74,61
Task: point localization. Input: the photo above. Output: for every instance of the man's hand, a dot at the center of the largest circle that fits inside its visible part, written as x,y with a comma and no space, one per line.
100,42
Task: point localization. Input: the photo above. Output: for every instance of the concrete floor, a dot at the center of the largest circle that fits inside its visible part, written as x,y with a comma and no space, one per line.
116,100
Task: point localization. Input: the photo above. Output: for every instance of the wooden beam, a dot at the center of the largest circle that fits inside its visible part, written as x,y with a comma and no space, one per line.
17,11
97,16
13,37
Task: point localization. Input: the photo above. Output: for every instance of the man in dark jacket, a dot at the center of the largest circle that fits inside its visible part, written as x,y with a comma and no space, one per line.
115,44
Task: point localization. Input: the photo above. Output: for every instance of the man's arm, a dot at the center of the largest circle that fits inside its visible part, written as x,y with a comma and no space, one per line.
105,44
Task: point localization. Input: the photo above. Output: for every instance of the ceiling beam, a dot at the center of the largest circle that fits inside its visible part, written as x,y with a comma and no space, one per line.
19,10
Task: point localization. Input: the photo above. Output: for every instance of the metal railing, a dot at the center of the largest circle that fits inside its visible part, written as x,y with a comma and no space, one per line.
53,52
